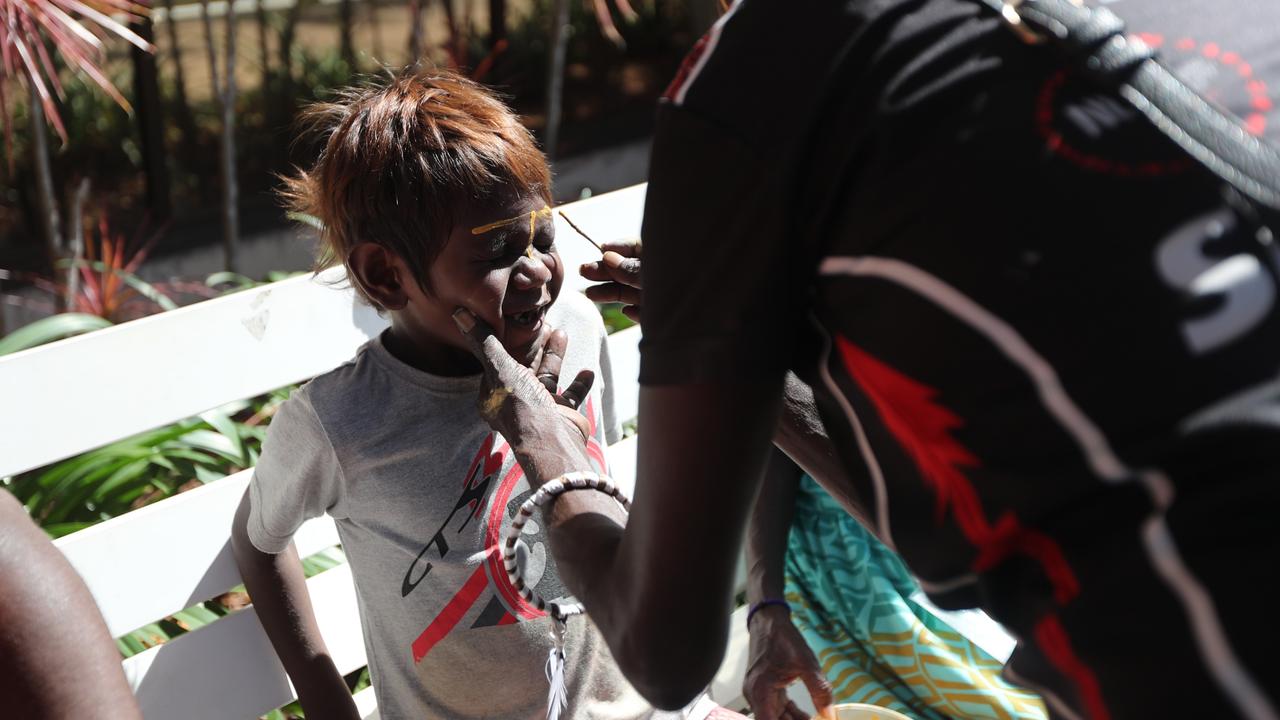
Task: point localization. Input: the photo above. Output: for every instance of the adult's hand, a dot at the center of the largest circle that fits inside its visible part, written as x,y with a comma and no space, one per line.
544,427
779,656
619,271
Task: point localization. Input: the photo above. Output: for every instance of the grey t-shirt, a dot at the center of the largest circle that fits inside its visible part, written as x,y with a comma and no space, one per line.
423,493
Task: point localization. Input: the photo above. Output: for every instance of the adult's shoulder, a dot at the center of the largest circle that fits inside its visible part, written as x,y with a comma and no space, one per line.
762,70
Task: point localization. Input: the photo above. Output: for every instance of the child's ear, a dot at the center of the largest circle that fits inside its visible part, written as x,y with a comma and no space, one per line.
380,274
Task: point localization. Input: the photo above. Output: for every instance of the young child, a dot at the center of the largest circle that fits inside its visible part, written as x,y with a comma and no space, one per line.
434,197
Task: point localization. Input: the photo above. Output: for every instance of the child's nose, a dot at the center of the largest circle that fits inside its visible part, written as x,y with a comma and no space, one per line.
531,272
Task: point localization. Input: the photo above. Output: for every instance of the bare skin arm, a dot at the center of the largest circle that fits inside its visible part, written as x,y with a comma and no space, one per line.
803,437
57,659
778,653
768,530
278,589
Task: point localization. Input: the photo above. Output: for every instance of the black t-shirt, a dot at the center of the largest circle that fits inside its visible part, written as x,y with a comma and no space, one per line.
1014,297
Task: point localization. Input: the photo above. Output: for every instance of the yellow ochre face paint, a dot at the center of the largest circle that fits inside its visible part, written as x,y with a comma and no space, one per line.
533,225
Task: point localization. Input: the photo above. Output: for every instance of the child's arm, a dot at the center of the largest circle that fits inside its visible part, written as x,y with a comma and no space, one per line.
279,593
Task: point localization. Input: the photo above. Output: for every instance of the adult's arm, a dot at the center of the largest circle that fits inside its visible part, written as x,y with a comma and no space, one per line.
57,659
803,437
278,589
778,654
660,591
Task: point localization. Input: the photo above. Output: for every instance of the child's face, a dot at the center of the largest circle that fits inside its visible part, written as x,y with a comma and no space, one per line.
500,263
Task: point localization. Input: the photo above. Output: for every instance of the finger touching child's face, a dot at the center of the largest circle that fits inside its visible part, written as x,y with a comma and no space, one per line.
500,263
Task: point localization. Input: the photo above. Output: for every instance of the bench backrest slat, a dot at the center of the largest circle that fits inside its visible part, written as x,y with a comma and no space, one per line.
171,555
228,669
85,392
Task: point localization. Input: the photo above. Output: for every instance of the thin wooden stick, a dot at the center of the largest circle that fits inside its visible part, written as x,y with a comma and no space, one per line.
585,236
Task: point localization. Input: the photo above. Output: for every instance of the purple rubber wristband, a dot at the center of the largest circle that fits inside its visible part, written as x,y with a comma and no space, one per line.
757,607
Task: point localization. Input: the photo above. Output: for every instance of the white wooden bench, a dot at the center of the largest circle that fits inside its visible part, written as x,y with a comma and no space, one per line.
176,553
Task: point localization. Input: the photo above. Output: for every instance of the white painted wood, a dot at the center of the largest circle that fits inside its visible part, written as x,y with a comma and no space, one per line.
624,356
366,704
84,392
178,553
726,686
87,391
609,217
622,464
976,625
228,669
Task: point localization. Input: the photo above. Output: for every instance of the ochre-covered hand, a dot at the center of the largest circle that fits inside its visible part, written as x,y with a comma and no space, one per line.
544,427
779,656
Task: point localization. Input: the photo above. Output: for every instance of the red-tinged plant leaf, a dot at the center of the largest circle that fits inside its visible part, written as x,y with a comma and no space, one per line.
106,22
627,11
486,64
91,289
75,27
116,263
45,61
96,75
605,18
141,253
72,47
8,128
37,82
109,279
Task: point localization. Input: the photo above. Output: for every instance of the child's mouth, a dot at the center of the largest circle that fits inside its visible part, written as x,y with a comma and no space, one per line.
528,319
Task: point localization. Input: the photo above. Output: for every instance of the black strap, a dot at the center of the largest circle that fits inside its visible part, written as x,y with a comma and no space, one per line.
1094,41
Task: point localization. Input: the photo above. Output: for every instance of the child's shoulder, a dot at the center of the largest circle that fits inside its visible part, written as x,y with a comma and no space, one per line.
343,386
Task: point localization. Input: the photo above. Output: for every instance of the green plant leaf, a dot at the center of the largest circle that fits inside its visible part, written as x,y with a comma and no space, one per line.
305,219
132,645
206,476
57,530
49,329
215,442
226,277
228,429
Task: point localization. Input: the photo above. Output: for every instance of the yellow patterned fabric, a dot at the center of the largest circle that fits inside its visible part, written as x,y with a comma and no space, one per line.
850,597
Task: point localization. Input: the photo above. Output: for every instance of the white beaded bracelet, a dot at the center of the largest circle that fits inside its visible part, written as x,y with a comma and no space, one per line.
557,696
569,481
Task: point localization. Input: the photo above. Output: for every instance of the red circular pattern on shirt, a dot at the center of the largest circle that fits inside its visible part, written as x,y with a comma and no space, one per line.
1255,122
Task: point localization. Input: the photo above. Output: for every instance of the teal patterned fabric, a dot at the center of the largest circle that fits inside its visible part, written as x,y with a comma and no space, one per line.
851,600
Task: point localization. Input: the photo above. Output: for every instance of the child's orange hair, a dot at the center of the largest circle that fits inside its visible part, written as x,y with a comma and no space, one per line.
402,159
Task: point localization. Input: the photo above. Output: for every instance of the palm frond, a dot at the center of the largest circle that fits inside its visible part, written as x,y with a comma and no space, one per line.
36,33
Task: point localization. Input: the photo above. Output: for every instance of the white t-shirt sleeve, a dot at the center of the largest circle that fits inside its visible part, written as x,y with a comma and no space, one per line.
297,477
609,413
